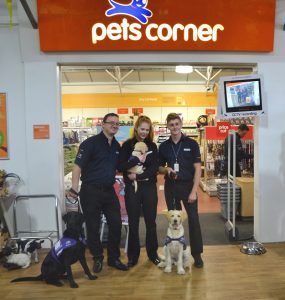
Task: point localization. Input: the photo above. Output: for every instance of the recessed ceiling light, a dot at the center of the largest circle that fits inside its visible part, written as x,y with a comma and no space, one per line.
184,69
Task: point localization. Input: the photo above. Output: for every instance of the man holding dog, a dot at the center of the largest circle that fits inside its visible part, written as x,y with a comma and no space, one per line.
180,161
96,163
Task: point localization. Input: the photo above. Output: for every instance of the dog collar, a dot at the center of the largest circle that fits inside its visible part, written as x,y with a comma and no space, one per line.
181,240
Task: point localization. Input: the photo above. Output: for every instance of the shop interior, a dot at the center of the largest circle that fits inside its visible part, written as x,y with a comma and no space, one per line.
90,92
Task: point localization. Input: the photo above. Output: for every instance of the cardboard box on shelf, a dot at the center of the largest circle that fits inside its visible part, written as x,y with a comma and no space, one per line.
247,196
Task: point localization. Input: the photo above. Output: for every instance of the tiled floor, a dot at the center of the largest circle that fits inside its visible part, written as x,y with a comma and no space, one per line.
206,204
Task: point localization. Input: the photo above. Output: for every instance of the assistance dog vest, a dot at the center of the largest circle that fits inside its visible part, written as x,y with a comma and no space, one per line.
63,244
181,240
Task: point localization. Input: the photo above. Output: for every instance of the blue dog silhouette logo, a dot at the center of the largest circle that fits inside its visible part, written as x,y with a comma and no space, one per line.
136,9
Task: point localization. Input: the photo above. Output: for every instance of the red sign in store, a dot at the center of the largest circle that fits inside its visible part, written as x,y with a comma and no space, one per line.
41,132
211,132
122,111
210,111
223,128
137,110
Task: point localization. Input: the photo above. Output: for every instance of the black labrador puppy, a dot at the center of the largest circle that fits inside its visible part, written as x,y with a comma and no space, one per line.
67,251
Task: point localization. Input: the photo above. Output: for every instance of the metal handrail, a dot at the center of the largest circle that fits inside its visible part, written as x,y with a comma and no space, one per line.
16,231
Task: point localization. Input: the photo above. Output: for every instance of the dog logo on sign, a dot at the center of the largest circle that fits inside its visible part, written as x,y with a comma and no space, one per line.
136,9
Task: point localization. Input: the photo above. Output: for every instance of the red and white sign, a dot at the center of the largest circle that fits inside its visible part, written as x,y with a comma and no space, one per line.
137,110
210,111
122,111
211,133
41,132
223,128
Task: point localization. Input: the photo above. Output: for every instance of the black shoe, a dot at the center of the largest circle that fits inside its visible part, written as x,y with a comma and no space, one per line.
132,262
156,260
98,264
117,264
198,262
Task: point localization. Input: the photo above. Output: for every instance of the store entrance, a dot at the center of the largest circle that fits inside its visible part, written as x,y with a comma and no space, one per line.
90,92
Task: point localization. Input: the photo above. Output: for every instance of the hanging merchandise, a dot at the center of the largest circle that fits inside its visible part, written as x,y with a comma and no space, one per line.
202,121
215,166
9,183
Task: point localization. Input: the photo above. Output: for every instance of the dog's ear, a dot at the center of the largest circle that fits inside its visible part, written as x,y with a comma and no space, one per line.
65,218
169,213
184,215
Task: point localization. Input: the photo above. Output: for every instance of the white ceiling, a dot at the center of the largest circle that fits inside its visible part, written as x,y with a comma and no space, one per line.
145,78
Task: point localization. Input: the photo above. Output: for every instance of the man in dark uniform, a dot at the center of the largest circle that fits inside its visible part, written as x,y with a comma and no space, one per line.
96,162
180,161
240,153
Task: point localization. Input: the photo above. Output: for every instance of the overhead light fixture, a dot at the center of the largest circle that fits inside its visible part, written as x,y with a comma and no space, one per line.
184,69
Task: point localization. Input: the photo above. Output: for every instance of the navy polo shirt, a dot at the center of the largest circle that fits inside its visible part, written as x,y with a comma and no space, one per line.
98,160
187,152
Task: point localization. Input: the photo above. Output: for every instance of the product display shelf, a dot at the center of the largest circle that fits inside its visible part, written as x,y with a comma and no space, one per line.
162,133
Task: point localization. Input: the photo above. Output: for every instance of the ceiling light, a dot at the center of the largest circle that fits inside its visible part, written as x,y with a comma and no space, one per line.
184,69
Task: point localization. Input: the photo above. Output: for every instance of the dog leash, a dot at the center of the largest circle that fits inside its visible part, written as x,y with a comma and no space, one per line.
74,201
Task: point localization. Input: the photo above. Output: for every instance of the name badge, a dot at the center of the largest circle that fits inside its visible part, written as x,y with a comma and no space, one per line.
176,167
187,149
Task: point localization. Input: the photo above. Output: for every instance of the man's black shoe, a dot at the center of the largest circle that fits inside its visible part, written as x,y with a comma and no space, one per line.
132,262
117,264
97,267
156,260
198,262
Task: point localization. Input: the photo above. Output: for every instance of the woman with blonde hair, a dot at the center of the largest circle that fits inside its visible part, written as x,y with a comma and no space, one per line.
145,197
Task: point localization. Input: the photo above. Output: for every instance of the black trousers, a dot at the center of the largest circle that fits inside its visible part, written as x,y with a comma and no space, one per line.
174,193
146,199
94,201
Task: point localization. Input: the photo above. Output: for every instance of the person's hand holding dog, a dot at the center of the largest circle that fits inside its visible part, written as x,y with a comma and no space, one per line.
142,157
171,173
132,176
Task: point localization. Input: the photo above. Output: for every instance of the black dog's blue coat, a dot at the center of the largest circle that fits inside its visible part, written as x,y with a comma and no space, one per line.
52,270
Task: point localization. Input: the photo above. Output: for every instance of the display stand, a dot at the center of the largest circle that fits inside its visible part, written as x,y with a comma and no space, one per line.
213,156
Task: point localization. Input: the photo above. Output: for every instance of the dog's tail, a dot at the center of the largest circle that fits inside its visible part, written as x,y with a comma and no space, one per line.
136,185
35,278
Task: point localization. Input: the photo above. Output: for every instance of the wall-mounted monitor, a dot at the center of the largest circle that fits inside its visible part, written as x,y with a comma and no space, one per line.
241,96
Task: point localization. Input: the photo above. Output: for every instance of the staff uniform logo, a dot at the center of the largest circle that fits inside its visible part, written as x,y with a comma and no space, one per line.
136,9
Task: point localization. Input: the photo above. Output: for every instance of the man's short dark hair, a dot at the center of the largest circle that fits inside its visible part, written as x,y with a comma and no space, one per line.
243,127
109,115
172,116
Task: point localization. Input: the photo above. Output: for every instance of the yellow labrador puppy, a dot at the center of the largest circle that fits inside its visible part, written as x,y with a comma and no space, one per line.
175,248
140,148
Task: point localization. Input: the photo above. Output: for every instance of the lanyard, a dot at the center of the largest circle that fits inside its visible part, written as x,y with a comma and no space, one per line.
176,153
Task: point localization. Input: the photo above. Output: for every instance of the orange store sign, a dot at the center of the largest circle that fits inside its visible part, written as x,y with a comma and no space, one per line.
185,25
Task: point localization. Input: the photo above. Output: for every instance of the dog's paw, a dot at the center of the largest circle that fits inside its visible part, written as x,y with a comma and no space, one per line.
167,270
74,285
92,277
161,257
162,264
181,271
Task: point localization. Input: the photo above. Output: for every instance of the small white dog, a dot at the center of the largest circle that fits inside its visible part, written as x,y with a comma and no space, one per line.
175,249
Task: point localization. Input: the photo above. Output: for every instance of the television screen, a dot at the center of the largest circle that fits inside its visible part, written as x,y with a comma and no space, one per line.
243,95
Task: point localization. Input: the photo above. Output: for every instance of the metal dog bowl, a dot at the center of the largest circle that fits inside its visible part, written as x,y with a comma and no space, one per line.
252,248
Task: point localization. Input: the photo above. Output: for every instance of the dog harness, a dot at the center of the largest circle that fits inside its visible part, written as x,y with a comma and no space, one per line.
181,240
63,244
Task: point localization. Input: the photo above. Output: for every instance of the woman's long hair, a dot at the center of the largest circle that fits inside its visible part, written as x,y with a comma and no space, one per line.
140,120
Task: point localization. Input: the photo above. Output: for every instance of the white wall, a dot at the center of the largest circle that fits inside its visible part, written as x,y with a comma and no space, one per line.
37,101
